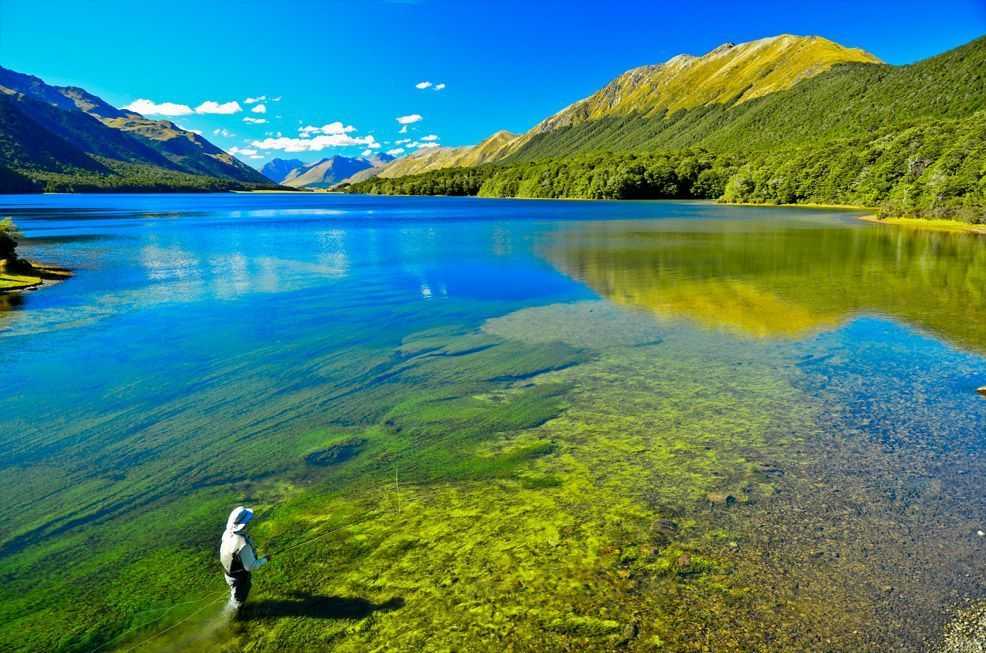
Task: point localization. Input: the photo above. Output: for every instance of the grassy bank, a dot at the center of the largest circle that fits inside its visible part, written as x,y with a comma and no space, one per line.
27,278
18,274
929,224
14,282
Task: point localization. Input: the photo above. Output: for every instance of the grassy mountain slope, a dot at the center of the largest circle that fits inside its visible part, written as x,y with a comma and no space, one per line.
87,133
909,139
64,138
849,101
187,150
727,76
495,148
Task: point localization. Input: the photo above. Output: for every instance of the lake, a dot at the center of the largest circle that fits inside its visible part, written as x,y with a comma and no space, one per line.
474,424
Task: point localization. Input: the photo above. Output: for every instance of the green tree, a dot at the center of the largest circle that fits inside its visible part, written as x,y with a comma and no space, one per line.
9,237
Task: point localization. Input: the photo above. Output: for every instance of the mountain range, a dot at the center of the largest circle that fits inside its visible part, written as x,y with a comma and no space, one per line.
784,119
62,138
728,75
324,173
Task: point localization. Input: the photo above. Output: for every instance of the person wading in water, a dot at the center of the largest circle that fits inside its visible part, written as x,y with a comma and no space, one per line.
238,556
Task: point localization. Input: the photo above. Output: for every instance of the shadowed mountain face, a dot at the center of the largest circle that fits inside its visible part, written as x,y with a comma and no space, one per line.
768,282
278,169
324,173
64,138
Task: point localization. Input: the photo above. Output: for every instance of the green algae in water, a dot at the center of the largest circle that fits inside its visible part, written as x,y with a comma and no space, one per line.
557,478
540,506
474,532
476,565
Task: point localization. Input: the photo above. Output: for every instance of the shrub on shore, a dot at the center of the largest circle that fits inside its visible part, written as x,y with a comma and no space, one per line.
9,237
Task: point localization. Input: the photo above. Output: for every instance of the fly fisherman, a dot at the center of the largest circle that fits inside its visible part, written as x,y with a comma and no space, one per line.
238,556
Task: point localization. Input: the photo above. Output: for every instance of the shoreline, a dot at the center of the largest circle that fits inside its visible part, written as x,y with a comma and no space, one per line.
928,224
836,207
805,205
36,277
940,225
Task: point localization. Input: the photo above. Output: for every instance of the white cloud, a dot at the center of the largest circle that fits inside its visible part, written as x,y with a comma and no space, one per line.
225,108
256,156
410,119
331,128
276,99
225,133
255,121
374,145
403,130
260,108
428,145
430,137
440,87
397,151
402,141
151,108
316,144
423,85
245,151
254,100
366,152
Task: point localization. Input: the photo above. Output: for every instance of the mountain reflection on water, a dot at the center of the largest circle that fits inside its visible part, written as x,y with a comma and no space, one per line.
768,280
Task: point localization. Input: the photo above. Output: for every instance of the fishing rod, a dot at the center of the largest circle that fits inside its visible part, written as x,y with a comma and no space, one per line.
277,553
213,597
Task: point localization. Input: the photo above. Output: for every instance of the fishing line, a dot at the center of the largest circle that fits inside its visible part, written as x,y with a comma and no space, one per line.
107,644
171,627
212,597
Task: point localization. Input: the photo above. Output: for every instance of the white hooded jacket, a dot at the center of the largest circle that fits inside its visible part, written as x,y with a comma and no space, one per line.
236,552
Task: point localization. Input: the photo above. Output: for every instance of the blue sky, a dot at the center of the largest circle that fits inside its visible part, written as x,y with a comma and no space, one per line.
351,68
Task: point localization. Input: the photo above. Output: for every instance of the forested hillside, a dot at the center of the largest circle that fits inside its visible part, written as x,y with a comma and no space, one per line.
59,138
910,139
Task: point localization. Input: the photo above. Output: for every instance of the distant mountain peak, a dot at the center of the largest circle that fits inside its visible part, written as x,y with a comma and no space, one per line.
278,169
325,172
725,47
728,74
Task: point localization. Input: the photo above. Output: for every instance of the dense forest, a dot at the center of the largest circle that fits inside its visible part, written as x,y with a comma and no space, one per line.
124,177
927,171
910,140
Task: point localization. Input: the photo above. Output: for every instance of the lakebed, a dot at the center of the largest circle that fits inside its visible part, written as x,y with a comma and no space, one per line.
487,424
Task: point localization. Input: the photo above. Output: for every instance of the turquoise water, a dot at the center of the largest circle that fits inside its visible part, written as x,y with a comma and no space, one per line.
202,337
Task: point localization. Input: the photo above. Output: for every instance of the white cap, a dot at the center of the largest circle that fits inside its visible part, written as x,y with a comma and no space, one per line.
238,519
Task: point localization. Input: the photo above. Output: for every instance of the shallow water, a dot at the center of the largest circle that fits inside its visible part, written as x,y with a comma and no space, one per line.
731,427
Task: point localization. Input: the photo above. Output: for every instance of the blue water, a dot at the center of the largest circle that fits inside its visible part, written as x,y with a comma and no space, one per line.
192,317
